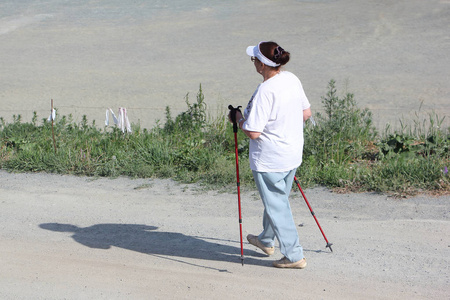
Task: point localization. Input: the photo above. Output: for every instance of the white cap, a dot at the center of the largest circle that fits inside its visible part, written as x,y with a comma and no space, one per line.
256,52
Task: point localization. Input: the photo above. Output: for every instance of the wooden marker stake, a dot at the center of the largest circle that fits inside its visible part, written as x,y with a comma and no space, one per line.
53,131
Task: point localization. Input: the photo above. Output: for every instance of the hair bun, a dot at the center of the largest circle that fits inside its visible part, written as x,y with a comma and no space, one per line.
277,52
280,55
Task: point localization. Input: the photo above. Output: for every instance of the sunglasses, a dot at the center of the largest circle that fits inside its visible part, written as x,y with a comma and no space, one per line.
253,59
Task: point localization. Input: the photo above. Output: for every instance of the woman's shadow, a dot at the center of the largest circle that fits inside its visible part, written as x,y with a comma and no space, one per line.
146,239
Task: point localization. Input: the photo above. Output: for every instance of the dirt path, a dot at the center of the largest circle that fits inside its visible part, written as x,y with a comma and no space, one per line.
83,238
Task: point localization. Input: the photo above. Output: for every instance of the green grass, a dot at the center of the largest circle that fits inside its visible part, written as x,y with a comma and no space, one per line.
343,151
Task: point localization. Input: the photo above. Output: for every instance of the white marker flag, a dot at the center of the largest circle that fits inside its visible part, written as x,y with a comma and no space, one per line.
122,121
52,116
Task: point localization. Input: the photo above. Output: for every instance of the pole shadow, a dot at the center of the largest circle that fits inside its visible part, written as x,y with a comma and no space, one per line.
146,239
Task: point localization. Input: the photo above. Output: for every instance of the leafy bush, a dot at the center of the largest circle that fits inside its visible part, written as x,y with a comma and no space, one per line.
343,151
344,134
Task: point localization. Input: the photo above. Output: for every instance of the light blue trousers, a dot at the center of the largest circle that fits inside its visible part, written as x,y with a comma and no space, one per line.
274,189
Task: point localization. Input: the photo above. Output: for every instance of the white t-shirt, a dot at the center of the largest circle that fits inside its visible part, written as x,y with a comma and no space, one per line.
276,110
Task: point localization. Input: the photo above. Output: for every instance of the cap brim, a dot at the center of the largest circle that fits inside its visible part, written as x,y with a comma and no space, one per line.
251,50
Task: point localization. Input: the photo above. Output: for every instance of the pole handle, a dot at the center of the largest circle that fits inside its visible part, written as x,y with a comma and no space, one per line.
233,111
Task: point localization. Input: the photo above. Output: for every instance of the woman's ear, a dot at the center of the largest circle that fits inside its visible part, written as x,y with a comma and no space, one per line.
261,67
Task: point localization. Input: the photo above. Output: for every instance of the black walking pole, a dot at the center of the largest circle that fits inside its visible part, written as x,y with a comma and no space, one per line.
235,129
313,214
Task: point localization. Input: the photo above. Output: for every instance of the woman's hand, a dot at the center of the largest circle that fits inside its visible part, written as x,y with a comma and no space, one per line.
238,116
306,114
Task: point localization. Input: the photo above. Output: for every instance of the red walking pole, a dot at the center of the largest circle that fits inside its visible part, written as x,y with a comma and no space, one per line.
313,214
235,129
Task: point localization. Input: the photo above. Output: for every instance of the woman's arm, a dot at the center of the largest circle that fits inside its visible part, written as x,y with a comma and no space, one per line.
251,134
240,120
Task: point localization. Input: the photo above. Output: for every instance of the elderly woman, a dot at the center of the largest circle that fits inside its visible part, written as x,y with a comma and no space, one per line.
273,120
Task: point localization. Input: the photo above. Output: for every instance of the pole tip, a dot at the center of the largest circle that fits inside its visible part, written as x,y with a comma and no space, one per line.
329,246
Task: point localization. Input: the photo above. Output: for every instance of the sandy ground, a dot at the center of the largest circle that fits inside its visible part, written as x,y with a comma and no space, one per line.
144,55
65,237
